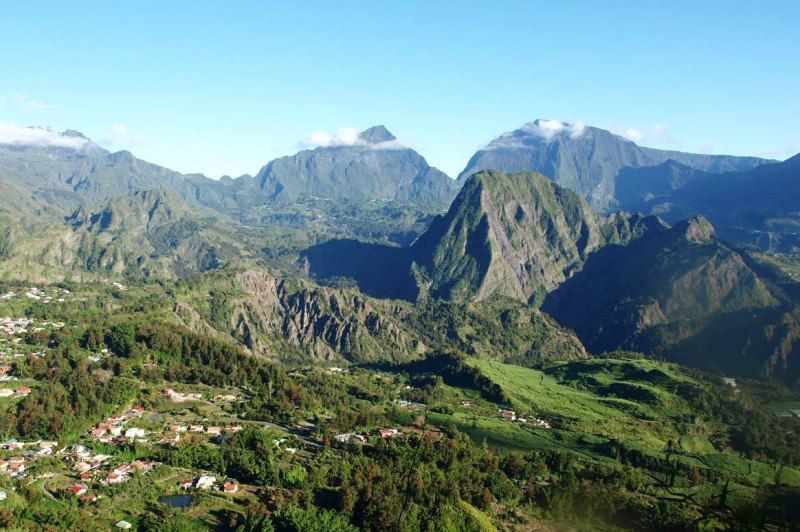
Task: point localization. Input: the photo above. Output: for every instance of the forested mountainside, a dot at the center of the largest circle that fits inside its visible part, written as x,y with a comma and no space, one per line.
658,293
149,233
145,384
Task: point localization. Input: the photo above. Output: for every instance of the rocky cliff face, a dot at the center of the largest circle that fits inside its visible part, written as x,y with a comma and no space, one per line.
320,323
299,321
517,235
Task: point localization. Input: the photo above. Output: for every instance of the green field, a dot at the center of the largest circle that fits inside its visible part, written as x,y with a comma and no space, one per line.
576,407
586,423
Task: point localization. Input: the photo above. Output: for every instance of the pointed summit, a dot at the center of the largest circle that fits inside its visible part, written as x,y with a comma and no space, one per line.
73,133
515,235
696,229
376,135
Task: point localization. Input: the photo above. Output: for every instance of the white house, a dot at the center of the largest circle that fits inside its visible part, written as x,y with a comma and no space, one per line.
205,482
135,433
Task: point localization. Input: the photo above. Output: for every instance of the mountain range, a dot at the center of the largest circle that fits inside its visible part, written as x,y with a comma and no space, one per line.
586,159
757,207
362,251
373,178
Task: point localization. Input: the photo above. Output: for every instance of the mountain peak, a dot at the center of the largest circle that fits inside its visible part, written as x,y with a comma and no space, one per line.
376,135
696,229
517,235
73,133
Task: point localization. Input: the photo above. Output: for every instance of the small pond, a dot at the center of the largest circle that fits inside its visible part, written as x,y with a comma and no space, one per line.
177,501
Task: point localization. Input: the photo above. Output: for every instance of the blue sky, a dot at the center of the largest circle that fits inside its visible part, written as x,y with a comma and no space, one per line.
223,87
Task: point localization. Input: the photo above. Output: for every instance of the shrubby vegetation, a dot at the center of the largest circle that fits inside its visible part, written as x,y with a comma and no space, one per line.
439,474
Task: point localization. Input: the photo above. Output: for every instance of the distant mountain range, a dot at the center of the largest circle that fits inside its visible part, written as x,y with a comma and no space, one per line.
585,159
306,188
759,207
751,201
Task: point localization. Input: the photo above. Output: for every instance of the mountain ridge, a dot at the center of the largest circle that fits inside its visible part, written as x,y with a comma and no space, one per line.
584,158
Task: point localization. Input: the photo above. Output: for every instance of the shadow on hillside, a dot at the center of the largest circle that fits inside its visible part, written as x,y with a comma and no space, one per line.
378,270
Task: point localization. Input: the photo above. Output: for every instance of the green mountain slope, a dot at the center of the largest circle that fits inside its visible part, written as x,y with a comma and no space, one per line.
518,235
658,290
148,233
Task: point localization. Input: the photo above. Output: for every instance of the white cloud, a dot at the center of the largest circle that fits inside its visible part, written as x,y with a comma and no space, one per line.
120,136
34,136
658,135
22,101
346,136
551,128
544,129
661,134
631,134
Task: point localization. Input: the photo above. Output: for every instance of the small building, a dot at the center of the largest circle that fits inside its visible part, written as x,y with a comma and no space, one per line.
116,478
205,482
78,489
134,433
387,433
89,498
124,525
214,431
230,487
508,415
186,483
344,438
